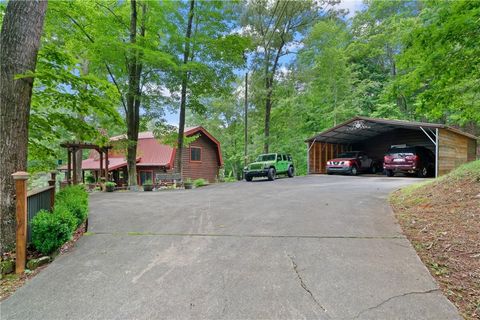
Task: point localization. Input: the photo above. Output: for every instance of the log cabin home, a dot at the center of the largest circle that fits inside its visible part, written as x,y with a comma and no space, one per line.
156,161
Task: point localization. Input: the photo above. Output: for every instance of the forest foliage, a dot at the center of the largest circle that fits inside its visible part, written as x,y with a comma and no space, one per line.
310,64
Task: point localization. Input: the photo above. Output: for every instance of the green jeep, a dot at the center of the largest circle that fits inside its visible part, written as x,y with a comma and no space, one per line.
269,165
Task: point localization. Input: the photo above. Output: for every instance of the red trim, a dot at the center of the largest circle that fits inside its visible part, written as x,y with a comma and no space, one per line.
201,150
192,131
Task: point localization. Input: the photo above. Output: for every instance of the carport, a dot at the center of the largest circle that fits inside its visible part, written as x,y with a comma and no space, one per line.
451,146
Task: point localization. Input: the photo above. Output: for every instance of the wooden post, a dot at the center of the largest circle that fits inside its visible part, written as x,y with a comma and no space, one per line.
21,214
52,183
74,161
101,164
106,165
69,166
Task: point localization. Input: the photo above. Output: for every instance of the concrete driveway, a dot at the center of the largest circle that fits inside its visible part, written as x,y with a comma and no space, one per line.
316,247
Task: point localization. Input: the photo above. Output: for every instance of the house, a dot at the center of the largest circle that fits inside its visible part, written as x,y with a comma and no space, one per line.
156,161
450,146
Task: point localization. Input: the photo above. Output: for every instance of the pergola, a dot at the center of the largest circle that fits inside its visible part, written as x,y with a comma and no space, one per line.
73,147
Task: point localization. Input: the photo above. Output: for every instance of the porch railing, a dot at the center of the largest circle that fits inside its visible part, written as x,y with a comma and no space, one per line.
38,199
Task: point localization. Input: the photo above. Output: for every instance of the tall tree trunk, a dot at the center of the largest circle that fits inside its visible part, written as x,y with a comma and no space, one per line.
79,153
268,100
183,96
134,94
19,42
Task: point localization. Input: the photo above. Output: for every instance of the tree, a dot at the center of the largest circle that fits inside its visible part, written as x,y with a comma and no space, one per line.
327,73
378,33
19,42
183,94
276,28
137,32
207,53
440,66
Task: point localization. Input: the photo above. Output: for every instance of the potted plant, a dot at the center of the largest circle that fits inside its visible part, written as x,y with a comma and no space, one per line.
110,186
148,185
188,183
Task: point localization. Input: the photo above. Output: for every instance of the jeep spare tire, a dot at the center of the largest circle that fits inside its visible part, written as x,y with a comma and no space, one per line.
271,174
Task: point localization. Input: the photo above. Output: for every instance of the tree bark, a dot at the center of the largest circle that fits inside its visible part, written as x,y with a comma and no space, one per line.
134,94
19,42
268,100
183,96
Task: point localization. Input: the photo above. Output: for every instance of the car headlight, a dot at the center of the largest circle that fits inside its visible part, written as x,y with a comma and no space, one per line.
328,162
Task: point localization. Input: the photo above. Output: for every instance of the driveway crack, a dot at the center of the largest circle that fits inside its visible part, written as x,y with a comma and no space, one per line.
303,284
392,298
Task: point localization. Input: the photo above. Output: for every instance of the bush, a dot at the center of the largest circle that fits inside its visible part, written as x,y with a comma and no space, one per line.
52,230
75,200
200,182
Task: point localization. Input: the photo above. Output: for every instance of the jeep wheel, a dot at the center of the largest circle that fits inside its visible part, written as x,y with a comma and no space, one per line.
423,172
290,172
354,171
248,178
271,174
389,173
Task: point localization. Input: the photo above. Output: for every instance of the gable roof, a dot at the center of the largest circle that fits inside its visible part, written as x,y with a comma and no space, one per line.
150,152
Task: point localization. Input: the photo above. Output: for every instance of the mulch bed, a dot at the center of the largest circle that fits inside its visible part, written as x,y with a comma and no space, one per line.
12,282
442,221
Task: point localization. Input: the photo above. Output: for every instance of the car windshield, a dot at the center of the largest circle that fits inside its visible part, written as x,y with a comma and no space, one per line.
348,155
266,157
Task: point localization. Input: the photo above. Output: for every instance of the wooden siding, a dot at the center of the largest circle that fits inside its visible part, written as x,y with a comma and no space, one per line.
321,152
454,150
208,167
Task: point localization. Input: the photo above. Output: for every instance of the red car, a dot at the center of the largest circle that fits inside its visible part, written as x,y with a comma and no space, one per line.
352,162
414,160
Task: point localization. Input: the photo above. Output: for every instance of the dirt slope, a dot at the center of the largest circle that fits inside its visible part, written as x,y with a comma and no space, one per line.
441,218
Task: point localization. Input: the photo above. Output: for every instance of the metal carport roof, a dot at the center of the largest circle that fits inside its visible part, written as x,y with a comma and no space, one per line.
361,128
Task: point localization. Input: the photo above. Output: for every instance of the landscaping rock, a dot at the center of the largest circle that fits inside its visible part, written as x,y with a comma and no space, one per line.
35,263
7,266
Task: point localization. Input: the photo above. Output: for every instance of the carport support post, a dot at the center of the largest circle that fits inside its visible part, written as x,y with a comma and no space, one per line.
436,153
435,142
21,215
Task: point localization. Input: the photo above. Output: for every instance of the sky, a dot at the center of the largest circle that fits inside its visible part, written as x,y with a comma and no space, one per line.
352,5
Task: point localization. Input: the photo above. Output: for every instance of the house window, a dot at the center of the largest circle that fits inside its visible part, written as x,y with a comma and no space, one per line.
195,154
145,176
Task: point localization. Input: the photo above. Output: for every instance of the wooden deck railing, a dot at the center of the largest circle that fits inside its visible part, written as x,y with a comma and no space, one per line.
28,205
38,199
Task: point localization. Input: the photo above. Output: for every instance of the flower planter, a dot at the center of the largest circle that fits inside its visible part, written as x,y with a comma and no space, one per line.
109,188
147,187
188,185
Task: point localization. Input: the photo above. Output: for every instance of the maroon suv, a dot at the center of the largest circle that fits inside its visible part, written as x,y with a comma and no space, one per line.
352,162
409,160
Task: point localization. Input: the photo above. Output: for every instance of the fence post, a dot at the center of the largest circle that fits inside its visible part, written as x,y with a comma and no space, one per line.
21,178
52,182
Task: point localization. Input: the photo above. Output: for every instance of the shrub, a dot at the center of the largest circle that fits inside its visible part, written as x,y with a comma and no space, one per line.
200,182
51,230
75,200
110,184
90,179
